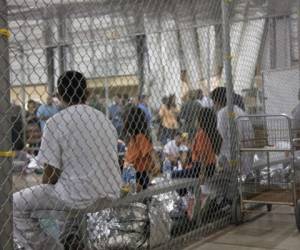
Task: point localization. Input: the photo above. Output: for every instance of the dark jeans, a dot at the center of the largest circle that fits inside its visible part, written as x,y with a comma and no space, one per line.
194,171
142,178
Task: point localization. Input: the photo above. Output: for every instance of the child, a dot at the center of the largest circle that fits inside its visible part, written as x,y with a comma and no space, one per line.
185,158
140,153
207,143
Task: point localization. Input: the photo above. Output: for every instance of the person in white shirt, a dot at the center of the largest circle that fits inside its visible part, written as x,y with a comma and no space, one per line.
245,130
79,155
171,152
205,101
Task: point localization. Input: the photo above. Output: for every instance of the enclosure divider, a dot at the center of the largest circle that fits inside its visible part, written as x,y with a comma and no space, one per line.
6,205
49,56
228,78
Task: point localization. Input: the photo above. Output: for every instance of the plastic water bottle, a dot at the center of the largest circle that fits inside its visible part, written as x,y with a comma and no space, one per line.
132,179
167,170
129,178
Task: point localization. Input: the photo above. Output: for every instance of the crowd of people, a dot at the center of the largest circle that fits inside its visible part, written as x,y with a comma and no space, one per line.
80,144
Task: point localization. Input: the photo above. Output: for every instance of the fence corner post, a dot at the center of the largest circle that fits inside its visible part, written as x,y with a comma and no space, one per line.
6,203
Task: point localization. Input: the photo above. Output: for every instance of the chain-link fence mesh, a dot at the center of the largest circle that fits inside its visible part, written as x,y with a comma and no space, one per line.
138,150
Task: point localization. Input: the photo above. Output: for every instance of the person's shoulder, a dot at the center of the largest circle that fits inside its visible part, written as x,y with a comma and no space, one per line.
89,108
239,112
53,122
169,144
222,112
93,112
41,108
296,109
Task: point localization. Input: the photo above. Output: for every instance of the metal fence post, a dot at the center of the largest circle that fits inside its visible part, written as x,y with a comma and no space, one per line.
141,46
228,78
23,89
298,26
62,42
6,206
208,61
49,56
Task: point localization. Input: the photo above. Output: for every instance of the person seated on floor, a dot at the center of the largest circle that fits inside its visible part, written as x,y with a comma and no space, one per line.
79,155
205,148
185,158
140,153
171,152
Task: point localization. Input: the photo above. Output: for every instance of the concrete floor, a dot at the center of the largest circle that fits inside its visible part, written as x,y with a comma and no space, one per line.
275,230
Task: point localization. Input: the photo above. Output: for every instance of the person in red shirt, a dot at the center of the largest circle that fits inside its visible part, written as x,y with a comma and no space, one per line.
207,143
140,152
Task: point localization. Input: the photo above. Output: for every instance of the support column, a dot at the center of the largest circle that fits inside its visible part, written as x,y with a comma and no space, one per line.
298,15
228,79
140,50
49,57
62,43
6,205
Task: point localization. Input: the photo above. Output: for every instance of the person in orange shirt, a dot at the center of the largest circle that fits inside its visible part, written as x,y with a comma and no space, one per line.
140,152
207,143
168,114
205,147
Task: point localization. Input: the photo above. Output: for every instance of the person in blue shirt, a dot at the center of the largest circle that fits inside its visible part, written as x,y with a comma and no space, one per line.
116,113
45,111
143,105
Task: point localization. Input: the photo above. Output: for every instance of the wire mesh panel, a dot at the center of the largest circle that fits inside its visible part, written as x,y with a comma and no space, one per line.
117,117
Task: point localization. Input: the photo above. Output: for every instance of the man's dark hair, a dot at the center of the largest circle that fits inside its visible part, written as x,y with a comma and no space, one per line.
72,87
199,93
218,95
238,100
165,100
31,102
119,96
171,102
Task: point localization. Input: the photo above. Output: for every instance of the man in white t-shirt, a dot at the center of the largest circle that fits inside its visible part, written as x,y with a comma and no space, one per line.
79,155
245,129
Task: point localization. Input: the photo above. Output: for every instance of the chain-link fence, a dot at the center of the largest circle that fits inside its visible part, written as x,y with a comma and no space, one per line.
117,116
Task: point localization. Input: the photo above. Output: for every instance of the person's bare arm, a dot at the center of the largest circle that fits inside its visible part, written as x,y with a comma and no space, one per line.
51,174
